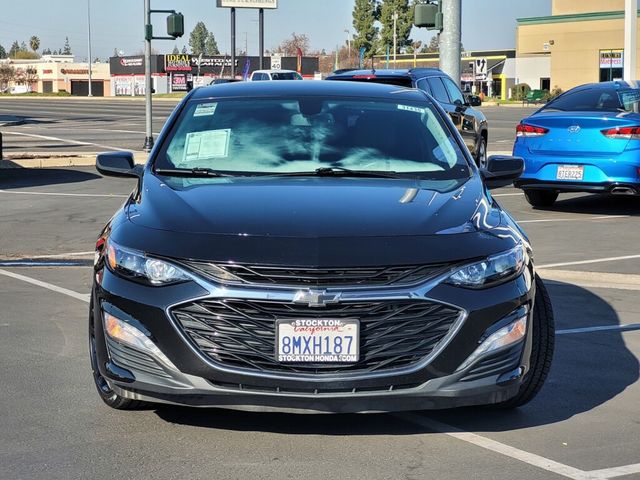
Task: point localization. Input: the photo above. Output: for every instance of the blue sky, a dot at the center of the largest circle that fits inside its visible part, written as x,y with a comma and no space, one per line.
486,24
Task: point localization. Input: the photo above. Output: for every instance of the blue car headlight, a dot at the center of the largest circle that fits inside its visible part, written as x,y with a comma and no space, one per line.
491,271
136,265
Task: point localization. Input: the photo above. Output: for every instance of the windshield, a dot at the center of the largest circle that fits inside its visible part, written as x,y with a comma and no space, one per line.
278,136
285,76
598,99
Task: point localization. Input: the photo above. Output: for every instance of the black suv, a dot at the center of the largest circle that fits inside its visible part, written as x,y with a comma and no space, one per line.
471,123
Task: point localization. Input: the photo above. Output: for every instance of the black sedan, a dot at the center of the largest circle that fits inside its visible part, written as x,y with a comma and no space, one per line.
325,246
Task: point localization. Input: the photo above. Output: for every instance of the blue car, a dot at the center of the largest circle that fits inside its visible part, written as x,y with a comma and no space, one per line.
585,140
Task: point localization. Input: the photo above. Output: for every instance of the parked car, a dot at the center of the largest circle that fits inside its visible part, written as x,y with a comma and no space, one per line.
585,140
319,246
471,122
221,80
275,75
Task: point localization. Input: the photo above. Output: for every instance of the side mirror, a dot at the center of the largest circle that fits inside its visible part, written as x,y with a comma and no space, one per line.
117,164
474,100
501,170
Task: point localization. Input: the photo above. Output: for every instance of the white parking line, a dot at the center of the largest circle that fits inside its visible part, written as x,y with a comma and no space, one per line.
574,219
616,471
114,195
600,328
586,262
73,142
49,286
506,194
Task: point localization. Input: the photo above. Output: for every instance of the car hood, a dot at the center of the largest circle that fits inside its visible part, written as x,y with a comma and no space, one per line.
304,207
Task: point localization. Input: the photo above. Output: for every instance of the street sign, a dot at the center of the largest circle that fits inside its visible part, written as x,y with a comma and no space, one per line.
276,61
480,69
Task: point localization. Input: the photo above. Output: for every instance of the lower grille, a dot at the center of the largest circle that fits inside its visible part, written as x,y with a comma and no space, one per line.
312,391
495,364
133,359
241,333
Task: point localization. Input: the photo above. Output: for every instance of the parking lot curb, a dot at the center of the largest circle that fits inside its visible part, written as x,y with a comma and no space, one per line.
51,161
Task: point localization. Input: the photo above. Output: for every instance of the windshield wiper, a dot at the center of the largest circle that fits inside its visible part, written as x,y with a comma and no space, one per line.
191,172
341,172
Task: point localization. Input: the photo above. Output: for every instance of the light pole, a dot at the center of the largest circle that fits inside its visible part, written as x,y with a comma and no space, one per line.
348,32
89,41
395,37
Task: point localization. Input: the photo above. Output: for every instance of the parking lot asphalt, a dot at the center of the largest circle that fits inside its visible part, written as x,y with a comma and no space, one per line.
77,125
584,424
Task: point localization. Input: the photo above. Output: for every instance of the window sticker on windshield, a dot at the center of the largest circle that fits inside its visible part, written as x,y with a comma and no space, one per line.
409,108
205,109
207,144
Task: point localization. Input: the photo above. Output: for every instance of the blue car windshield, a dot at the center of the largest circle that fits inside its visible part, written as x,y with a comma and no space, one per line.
288,135
597,99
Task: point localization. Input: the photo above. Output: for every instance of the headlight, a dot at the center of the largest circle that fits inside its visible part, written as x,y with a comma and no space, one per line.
496,268
134,264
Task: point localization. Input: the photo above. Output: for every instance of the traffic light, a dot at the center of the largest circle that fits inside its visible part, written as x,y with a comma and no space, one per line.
175,25
428,15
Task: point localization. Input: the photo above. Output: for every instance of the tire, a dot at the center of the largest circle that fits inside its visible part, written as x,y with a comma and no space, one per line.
105,392
543,339
540,198
481,156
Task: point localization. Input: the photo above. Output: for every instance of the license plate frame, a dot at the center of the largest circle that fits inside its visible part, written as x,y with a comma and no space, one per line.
312,341
570,172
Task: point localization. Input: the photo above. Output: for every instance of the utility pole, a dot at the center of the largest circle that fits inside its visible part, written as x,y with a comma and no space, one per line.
233,42
261,35
450,38
395,37
630,39
89,41
348,32
148,130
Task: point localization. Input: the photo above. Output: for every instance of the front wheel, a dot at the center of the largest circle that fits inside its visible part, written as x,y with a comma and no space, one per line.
481,156
106,393
543,339
540,198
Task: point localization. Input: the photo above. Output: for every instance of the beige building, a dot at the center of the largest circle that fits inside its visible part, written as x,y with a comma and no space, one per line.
584,40
55,73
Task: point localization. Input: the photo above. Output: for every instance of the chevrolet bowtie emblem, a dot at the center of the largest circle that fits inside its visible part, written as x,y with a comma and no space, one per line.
316,298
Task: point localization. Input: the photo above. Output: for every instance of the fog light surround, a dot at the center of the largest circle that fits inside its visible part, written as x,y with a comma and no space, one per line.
123,332
507,335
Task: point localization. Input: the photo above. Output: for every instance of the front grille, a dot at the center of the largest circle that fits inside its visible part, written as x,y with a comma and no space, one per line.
312,391
317,277
241,333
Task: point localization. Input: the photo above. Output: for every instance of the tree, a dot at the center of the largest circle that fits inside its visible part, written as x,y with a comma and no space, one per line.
34,43
15,48
290,46
30,75
364,17
433,46
3,52
210,45
198,38
404,24
7,74
46,51
184,49
175,49
67,48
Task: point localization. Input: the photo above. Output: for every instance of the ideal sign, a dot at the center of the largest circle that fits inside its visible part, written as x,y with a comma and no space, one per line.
177,62
248,3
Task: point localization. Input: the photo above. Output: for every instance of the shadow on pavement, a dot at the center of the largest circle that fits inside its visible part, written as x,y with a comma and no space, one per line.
588,370
34,177
598,205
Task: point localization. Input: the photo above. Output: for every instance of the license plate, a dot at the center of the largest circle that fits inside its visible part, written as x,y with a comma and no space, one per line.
318,340
570,172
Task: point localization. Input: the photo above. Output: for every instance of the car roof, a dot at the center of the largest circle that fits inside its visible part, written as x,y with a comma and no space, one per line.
274,71
296,88
383,72
607,85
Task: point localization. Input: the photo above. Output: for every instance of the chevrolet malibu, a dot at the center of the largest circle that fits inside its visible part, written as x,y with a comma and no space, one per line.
319,246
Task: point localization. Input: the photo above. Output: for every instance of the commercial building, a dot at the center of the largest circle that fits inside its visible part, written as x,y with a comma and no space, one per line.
57,73
583,41
171,72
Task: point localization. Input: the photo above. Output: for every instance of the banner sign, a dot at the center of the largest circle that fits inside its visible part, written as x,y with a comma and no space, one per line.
248,3
611,58
177,62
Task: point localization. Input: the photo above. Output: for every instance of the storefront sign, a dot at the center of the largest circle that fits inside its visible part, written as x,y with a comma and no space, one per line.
131,62
178,82
211,62
177,62
71,71
248,3
611,58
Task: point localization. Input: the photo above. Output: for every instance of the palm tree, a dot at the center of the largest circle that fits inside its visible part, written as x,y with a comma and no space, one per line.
34,43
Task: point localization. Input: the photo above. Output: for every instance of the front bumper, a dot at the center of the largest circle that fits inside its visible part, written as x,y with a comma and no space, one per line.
191,378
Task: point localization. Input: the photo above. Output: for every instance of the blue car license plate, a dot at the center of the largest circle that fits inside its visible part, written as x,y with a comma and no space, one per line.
318,340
